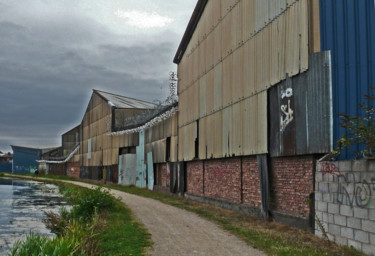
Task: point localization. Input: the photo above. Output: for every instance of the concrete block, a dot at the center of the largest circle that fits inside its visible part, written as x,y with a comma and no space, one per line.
333,208
372,239
345,166
353,223
319,167
323,187
361,236
361,213
331,237
368,225
324,217
367,177
371,214
318,177
369,249
347,232
325,226
318,196
327,197
360,166
319,233
319,215
371,205
340,220
371,165
354,177
322,206
334,229
331,218
333,187
341,240
355,244
346,210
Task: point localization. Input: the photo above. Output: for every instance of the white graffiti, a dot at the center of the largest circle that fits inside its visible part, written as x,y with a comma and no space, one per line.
288,93
286,111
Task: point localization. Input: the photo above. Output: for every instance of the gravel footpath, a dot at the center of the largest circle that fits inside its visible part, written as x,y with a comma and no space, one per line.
179,232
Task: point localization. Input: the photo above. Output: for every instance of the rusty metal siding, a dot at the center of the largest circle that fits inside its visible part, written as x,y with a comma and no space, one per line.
348,31
301,111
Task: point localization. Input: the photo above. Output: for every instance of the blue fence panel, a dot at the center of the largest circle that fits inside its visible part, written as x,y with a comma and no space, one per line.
348,31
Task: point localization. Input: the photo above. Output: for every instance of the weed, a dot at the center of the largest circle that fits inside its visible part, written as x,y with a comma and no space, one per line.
97,224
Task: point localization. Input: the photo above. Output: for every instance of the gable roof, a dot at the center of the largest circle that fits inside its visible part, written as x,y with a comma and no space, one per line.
197,14
118,101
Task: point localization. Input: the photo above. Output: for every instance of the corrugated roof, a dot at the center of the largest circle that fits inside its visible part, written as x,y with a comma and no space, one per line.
119,101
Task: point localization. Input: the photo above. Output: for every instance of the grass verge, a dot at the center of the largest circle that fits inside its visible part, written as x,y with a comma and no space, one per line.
97,224
270,237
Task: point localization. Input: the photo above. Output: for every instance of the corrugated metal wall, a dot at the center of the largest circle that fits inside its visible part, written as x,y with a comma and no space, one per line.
239,49
96,124
156,140
301,111
348,30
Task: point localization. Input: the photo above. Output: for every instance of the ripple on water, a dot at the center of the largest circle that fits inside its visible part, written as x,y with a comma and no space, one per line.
22,207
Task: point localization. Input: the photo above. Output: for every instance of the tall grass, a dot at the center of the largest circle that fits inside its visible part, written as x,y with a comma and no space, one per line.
77,230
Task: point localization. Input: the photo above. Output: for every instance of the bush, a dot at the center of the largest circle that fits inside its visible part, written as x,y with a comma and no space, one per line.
89,201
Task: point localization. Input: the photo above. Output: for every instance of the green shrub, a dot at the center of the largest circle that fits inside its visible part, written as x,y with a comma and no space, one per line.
77,239
89,201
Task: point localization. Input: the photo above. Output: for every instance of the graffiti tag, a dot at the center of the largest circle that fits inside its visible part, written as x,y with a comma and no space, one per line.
330,168
286,111
354,193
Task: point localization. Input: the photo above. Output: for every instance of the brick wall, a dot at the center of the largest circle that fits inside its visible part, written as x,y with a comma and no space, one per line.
292,183
250,182
237,180
161,175
57,169
345,203
222,179
194,173
73,170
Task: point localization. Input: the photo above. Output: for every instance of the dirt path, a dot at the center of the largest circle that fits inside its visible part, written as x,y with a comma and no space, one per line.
179,232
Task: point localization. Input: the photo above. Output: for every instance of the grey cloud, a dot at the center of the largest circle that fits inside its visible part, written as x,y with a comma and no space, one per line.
48,68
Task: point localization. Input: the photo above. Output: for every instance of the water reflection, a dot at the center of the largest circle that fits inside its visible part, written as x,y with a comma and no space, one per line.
22,206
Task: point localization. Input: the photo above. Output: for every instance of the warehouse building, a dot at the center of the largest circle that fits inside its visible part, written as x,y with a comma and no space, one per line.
260,87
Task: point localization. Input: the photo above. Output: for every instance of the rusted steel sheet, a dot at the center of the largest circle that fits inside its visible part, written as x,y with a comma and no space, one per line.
301,111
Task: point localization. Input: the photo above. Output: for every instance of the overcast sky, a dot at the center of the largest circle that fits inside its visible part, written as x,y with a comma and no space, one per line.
53,53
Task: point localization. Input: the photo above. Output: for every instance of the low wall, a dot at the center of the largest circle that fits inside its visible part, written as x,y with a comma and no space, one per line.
345,203
234,183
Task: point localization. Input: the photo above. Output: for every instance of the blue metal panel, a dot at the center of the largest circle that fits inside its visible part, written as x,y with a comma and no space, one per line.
24,159
5,167
348,31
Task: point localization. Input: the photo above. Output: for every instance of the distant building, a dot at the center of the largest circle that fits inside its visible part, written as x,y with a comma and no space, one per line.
6,157
6,160
24,158
63,160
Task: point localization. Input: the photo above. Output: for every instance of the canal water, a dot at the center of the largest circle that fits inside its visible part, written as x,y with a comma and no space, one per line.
22,207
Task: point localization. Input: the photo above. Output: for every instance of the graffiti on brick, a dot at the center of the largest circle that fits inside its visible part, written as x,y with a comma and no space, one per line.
354,193
330,168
